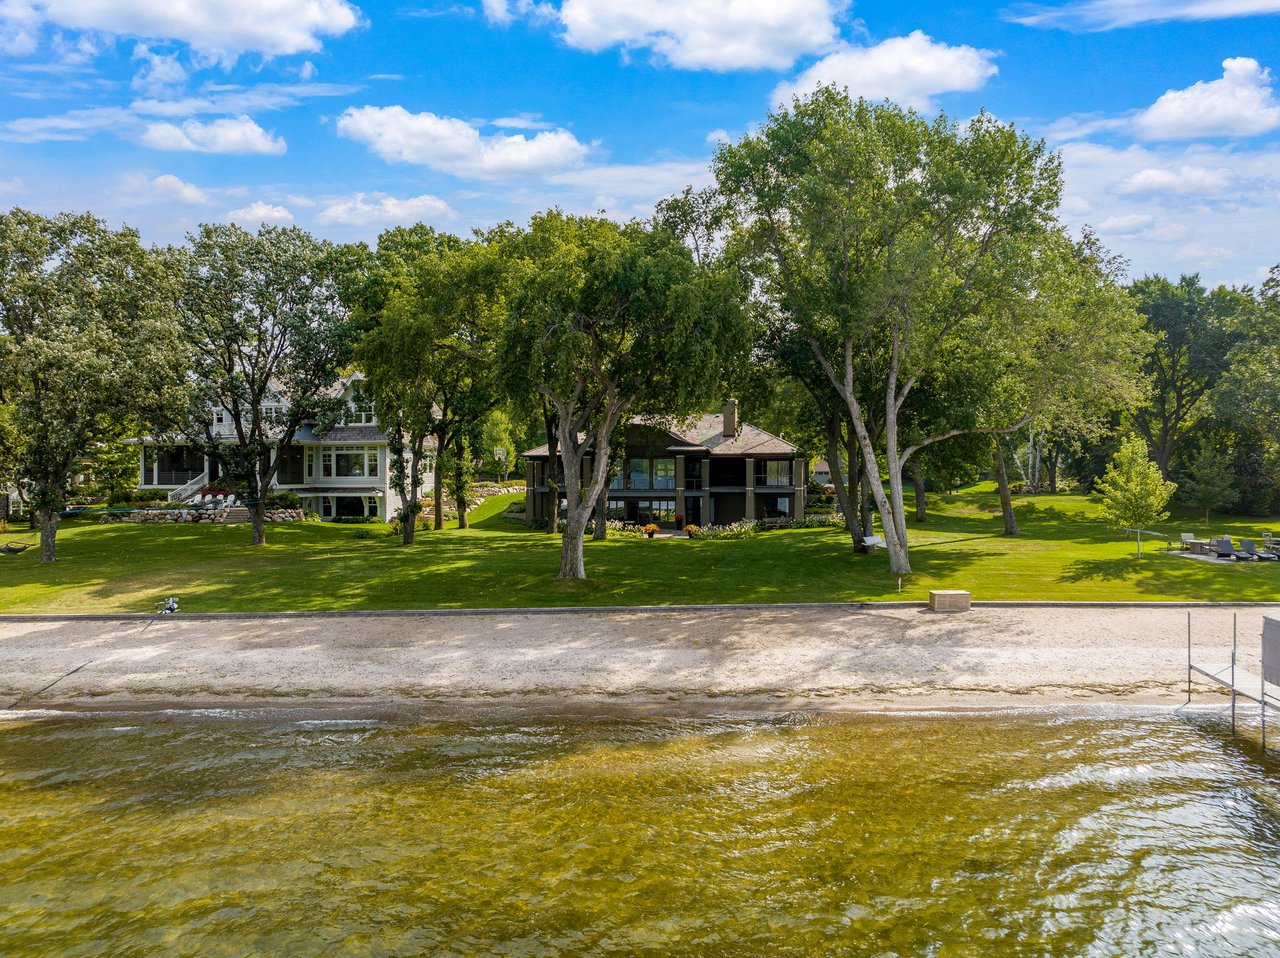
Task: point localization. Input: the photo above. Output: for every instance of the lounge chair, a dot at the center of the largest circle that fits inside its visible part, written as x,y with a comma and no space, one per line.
1225,550
1251,547
13,548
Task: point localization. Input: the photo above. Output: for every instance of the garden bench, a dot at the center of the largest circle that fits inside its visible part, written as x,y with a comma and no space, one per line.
871,542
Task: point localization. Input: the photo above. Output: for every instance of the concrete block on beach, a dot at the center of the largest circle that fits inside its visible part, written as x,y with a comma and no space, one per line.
948,600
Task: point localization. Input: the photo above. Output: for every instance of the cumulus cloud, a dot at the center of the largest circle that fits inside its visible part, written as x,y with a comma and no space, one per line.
217,29
170,188
1241,103
910,70
380,209
455,146
1148,201
239,135
691,34
161,74
259,212
624,190
1112,14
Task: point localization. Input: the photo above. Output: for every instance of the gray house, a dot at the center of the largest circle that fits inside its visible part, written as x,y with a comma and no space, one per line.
713,469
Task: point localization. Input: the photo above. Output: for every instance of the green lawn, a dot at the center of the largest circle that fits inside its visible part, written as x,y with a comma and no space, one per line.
1065,552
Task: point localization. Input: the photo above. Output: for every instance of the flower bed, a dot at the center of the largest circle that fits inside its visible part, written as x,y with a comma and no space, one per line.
161,516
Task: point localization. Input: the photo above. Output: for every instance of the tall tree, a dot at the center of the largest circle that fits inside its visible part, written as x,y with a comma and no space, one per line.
1194,333
896,248
606,321
270,335
89,348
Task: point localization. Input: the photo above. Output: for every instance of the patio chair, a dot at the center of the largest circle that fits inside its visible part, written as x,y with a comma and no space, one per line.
1251,547
1187,538
1225,550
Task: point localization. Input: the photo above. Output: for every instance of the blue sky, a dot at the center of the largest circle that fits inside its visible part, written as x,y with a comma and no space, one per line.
349,116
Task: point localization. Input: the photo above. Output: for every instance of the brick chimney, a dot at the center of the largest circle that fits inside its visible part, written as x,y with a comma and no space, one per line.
730,418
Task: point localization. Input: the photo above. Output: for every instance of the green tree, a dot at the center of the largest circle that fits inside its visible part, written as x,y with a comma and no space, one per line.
1208,482
606,321
89,348
1194,333
1134,493
897,248
270,336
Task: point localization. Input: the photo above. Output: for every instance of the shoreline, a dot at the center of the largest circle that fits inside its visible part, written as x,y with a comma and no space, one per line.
668,661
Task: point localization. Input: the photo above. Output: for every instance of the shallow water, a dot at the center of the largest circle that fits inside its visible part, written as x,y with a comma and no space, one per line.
1025,834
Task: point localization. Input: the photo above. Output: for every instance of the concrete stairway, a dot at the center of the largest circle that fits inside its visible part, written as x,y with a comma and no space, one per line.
236,514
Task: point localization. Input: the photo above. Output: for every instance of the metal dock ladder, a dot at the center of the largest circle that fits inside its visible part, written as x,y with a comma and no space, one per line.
1263,689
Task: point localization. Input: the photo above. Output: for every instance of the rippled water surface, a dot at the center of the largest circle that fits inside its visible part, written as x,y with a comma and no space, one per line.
870,835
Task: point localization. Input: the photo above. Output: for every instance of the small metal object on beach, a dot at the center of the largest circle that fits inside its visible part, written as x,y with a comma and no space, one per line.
949,600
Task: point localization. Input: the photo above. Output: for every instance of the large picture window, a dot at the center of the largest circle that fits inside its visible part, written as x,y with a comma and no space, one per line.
664,473
349,462
361,406
773,472
638,474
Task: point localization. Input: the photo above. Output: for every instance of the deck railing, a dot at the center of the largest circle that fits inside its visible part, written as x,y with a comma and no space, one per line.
189,489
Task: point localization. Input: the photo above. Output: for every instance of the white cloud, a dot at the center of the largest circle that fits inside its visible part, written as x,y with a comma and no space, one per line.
259,212
161,73
1111,14
626,190
166,186
910,70
1241,103
718,136
455,146
217,29
691,34
379,209
240,135
1185,180
1201,199
522,121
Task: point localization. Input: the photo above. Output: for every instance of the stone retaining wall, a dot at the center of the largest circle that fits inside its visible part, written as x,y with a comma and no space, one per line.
158,516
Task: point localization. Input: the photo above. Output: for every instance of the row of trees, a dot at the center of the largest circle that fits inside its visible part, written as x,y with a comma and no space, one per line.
894,290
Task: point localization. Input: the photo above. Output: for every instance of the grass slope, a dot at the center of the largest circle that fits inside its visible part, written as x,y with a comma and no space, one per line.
1065,552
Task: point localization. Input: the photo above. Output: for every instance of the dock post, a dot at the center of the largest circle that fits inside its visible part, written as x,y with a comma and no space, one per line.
1188,702
1233,673
1263,699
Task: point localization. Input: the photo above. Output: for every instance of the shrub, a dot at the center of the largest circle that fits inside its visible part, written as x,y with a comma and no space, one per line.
356,520
743,529
517,505
821,520
362,534
119,497
310,516
282,500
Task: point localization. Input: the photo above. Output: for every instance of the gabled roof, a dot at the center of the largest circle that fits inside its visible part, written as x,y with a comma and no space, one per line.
705,434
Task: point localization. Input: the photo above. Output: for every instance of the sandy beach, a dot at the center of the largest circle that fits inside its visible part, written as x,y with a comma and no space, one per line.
672,661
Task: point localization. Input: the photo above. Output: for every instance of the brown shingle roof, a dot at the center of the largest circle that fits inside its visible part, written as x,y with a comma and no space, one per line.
707,432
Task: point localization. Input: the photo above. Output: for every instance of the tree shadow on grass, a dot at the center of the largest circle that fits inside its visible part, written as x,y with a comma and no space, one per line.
1099,570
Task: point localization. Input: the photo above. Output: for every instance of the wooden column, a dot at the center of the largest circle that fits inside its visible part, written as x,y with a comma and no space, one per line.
751,489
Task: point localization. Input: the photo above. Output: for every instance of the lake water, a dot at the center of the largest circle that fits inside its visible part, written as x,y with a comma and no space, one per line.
1014,834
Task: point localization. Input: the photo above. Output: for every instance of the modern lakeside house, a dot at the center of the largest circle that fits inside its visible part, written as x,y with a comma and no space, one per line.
344,472
708,470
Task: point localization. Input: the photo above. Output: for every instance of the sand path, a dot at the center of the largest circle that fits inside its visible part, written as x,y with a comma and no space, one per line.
669,661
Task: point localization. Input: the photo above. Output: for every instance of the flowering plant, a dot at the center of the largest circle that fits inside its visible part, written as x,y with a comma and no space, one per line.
650,529
692,530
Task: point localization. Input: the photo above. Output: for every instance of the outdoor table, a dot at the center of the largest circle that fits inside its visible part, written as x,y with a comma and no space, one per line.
1201,547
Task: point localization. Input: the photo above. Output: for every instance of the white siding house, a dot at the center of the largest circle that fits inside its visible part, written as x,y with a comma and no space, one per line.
345,472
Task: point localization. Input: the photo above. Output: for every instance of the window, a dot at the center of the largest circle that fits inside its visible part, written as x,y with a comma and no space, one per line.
220,417
349,462
776,507
290,471
326,507
657,510
693,473
311,463
617,509
664,473
773,472
361,406
638,474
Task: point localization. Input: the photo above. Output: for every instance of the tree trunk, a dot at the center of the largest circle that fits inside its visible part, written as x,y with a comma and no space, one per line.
838,480
437,484
258,513
600,532
48,536
4,508
1054,453
1002,482
917,482
553,460
409,510
571,563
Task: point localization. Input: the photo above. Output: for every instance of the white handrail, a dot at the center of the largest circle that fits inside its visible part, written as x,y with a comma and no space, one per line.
186,491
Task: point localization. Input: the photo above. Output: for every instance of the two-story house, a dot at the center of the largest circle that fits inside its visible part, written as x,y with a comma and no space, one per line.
713,469
344,472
